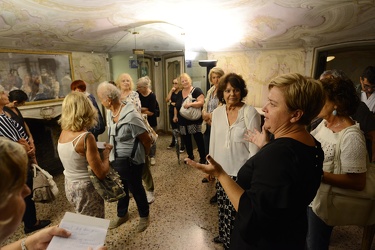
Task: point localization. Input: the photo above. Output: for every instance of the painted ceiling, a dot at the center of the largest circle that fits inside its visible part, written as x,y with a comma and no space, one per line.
163,26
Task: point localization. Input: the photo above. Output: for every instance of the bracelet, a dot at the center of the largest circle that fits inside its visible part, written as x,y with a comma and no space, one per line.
23,244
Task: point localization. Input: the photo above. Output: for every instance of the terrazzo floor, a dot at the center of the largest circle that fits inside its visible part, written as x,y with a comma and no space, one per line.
181,216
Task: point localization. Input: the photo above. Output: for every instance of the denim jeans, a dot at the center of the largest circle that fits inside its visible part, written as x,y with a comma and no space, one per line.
318,233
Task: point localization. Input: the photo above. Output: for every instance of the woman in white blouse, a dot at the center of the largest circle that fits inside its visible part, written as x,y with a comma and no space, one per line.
230,122
341,102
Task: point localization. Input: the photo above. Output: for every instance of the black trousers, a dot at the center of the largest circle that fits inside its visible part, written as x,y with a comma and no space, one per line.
131,177
29,217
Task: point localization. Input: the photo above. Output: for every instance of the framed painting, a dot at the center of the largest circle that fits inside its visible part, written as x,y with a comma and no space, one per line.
43,76
145,67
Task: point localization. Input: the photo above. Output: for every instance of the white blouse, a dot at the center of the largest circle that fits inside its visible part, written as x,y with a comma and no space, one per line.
227,144
353,148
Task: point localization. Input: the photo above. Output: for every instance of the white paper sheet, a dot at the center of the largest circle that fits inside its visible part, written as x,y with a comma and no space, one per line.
100,144
86,232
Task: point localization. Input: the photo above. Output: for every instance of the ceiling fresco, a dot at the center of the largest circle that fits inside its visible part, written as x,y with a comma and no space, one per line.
163,26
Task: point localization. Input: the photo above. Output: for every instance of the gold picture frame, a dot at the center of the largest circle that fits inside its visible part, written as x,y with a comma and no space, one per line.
43,76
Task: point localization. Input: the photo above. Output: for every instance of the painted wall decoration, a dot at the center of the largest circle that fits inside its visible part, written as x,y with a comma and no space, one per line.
258,68
41,75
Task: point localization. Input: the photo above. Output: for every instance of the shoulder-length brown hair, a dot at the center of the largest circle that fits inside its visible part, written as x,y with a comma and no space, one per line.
236,81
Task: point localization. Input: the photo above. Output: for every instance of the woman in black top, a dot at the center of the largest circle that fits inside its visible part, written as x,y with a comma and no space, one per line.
275,186
190,127
171,99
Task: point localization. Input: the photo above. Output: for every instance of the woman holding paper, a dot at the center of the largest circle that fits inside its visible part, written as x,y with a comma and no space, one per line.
13,190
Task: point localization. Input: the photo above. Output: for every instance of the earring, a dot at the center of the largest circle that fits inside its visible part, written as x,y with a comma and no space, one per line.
334,112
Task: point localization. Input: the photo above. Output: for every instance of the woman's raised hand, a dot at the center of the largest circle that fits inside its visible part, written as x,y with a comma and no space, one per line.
258,138
212,168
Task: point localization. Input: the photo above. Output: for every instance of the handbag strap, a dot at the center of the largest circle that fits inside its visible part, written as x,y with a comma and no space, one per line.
191,94
36,168
84,141
134,147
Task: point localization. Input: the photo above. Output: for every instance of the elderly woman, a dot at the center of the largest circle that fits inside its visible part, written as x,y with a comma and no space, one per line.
12,130
210,104
13,190
127,133
18,98
190,127
149,106
275,185
230,122
77,117
125,83
341,102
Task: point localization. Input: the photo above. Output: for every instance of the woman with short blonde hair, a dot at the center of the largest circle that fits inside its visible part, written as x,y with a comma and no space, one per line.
125,84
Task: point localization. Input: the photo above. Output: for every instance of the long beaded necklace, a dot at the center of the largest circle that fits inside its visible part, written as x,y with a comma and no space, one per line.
118,112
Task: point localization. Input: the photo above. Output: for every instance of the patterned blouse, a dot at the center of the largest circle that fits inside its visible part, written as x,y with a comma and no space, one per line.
133,97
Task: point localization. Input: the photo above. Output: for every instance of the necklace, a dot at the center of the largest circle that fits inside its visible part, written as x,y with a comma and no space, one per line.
336,124
118,112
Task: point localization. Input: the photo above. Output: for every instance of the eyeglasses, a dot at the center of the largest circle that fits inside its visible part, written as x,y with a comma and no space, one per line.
368,87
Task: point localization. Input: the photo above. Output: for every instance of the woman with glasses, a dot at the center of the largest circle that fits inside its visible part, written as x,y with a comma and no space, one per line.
171,99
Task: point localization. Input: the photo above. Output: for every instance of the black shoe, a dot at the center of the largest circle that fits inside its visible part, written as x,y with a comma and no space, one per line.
202,161
40,225
171,146
204,180
218,240
213,199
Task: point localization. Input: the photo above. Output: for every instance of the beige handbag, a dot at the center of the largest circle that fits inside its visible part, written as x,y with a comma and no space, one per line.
191,113
340,206
44,187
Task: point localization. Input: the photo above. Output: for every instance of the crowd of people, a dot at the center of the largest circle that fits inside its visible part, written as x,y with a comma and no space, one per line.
267,172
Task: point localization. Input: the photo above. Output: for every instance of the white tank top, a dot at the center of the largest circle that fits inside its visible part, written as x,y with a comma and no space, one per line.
75,165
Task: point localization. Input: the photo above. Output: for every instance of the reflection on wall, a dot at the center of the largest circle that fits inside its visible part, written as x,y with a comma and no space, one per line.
259,67
196,72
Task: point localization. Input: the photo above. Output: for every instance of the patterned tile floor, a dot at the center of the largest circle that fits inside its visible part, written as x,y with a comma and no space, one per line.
181,216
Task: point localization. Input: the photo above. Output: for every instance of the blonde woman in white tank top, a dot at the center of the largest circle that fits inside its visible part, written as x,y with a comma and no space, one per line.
79,115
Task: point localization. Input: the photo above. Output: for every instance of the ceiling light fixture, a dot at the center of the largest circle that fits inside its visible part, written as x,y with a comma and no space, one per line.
135,50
